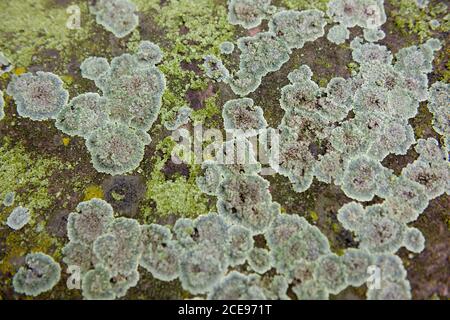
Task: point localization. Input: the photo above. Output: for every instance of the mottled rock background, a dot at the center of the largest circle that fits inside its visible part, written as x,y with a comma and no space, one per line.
51,172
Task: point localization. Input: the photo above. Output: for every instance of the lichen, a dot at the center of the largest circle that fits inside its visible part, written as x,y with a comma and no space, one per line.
39,96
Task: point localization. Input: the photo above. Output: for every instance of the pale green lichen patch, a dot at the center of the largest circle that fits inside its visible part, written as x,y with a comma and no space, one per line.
18,244
305,4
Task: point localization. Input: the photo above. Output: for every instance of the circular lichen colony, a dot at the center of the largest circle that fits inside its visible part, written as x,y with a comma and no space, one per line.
83,115
89,221
338,34
149,53
2,106
227,47
40,274
94,67
248,13
117,16
115,148
38,96
241,114
134,92
332,182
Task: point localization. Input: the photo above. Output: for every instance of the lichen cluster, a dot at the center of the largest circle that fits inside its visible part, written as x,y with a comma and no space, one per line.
248,13
267,51
113,124
117,16
40,274
221,229
439,98
38,97
319,139
104,248
18,218
2,106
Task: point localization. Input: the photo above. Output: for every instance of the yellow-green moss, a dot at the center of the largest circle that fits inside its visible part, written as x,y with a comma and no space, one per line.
336,227
305,4
192,29
409,18
180,195
29,26
27,175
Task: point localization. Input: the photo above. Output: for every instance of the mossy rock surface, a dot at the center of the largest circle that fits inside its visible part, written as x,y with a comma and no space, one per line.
51,172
